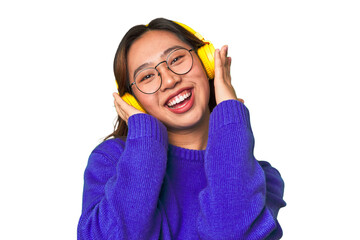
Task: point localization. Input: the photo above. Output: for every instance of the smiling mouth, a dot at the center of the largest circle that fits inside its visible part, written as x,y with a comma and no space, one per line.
179,100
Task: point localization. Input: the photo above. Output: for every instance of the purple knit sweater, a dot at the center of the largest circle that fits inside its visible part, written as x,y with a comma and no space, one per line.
145,188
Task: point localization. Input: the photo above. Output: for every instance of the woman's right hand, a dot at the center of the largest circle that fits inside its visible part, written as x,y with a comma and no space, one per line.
123,109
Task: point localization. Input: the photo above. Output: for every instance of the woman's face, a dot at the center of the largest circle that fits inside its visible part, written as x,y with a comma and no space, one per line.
191,89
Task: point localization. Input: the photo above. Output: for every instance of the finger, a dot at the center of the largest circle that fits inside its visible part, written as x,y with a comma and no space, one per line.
218,64
226,62
120,106
125,109
229,60
117,99
123,105
223,54
119,111
241,100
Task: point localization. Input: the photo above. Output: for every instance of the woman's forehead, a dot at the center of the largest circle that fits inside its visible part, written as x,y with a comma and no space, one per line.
151,47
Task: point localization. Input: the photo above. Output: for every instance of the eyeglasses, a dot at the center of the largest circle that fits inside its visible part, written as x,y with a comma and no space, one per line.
148,80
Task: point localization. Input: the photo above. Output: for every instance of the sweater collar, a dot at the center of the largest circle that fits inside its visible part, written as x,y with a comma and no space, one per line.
179,153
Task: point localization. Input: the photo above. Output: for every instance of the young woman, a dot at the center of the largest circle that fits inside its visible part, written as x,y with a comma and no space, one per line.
185,169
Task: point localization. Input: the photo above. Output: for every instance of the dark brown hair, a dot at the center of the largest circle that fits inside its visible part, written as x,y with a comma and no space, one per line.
120,61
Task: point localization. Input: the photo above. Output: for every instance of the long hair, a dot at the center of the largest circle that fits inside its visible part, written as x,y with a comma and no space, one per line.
120,62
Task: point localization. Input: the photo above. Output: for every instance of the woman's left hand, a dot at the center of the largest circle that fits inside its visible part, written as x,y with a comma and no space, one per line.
222,82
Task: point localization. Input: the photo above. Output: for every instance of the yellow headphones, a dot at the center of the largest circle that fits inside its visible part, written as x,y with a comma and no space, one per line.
206,55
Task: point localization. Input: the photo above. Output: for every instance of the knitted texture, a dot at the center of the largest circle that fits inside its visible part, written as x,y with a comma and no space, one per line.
145,188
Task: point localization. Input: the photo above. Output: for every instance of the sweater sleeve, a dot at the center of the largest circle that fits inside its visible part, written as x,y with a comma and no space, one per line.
122,183
243,196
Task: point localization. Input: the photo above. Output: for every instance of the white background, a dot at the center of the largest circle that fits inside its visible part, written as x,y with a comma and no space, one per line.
296,64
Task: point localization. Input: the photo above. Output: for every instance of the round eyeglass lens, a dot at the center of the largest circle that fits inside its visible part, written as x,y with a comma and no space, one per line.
179,62
148,80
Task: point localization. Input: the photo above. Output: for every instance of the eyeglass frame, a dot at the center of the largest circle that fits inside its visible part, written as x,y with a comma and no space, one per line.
167,65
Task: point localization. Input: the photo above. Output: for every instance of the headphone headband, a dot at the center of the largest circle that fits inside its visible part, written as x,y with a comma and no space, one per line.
198,35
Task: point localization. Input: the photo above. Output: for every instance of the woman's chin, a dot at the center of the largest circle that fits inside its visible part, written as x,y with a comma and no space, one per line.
192,121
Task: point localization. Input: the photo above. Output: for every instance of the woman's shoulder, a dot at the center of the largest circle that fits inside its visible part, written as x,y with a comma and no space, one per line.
111,148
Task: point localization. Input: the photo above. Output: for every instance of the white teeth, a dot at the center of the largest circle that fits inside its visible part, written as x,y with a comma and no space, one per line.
179,99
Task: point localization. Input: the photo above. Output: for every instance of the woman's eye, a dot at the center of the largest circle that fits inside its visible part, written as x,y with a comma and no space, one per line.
176,59
146,77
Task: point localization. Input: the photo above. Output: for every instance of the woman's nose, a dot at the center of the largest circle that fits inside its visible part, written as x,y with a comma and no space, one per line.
169,79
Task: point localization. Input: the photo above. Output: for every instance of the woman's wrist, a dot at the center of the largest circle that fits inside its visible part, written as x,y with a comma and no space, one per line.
228,112
143,125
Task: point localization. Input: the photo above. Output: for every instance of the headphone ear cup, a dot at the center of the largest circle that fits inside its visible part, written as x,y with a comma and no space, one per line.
130,99
206,54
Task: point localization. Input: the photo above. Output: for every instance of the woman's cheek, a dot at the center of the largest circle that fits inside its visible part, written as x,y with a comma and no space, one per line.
151,104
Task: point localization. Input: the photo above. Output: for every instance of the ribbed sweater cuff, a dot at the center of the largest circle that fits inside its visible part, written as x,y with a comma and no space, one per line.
228,112
144,125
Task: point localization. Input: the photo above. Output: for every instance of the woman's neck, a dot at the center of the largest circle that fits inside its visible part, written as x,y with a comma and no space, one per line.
194,138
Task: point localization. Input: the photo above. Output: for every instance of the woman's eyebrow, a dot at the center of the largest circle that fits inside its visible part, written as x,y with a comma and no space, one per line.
165,53
170,49
142,66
